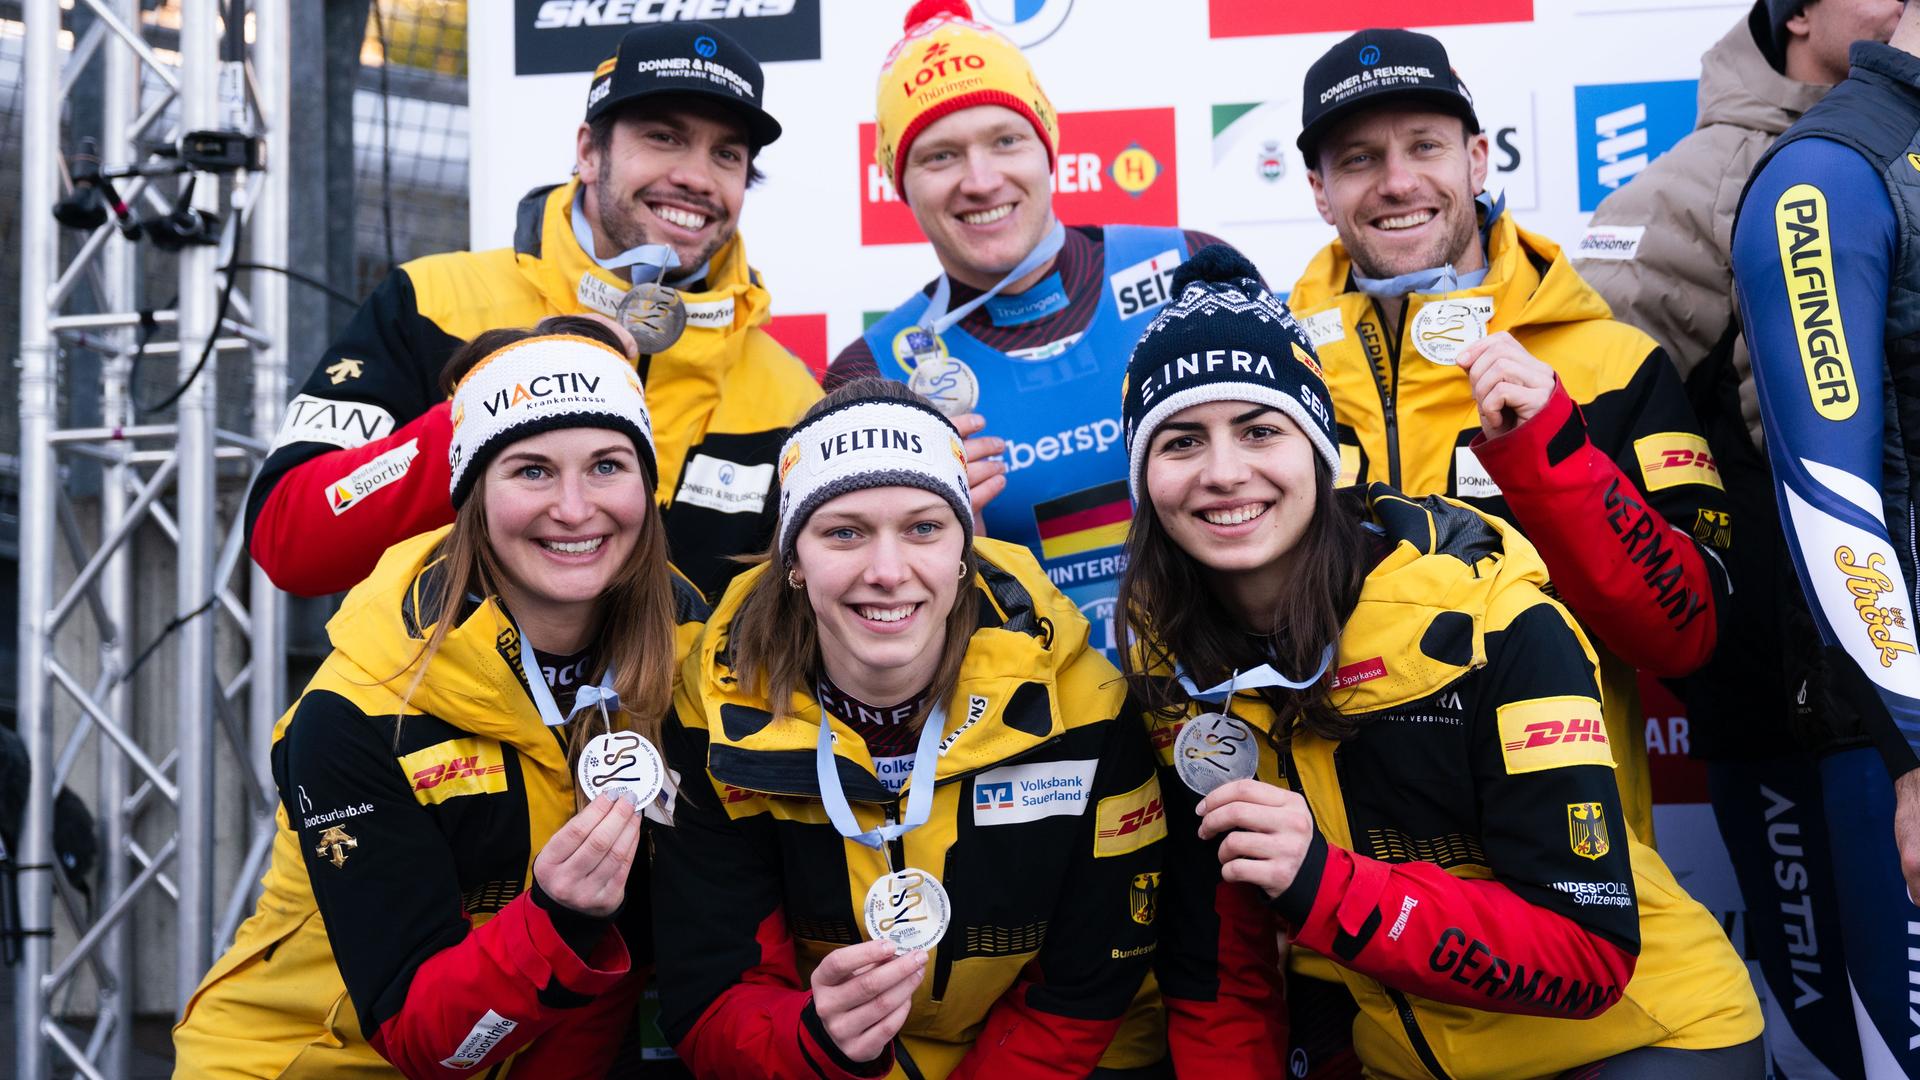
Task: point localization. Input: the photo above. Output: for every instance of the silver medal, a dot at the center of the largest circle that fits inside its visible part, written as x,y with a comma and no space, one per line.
949,384
910,909
622,762
654,314
1214,749
1444,328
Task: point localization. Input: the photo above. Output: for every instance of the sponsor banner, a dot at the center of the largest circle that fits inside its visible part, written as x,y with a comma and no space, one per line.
1621,128
1470,477
1614,243
345,424
1114,166
1550,733
1096,601
1256,18
726,486
805,336
1026,23
1255,175
377,473
1672,458
486,1035
556,36
1860,592
448,770
1015,793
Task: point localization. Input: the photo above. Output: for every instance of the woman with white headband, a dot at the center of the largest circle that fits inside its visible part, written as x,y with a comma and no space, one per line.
1380,736
463,784
925,834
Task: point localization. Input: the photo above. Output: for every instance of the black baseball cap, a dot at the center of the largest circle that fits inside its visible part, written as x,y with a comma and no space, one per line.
1374,66
684,58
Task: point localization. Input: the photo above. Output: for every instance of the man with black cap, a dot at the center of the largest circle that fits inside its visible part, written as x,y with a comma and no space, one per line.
1826,259
646,232
1760,715
1467,358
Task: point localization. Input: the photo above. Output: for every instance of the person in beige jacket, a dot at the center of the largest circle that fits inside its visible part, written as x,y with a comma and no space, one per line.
1762,710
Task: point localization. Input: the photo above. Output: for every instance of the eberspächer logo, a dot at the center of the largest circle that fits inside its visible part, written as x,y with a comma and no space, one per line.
1623,127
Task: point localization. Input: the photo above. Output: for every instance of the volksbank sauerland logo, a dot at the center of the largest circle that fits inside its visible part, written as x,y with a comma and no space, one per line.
1111,166
553,36
1623,127
1025,22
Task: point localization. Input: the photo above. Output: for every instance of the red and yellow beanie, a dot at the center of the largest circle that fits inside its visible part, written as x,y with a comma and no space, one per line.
945,63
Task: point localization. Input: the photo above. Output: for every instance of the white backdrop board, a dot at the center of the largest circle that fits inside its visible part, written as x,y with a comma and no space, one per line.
1172,111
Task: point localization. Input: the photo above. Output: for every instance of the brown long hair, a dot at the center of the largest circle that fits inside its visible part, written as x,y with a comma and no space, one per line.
637,610
1175,611
774,637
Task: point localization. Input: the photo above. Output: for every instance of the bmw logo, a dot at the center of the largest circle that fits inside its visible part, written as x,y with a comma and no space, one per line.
1370,55
705,45
1025,22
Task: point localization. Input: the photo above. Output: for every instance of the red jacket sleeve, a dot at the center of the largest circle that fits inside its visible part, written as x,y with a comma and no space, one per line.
508,982
1475,942
1641,584
325,524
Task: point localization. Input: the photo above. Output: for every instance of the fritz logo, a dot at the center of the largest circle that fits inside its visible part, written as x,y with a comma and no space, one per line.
1623,127
1868,584
1117,165
457,769
541,386
993,796
1134,820
1557,732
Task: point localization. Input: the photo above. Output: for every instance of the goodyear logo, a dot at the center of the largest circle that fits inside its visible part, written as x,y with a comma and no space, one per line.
1130,822
1806,258
1552,733
470,766
1672,458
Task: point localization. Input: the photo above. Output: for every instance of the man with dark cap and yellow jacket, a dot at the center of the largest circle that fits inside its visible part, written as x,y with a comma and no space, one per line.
666,153
1467,358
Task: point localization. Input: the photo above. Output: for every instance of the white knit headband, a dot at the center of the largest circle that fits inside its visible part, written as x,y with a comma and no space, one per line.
543,384
868,444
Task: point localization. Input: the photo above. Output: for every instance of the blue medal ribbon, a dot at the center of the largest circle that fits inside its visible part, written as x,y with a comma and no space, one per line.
936,319
647,262
833,795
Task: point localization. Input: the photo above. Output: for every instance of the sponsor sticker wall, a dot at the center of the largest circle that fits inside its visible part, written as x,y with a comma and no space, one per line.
1171,111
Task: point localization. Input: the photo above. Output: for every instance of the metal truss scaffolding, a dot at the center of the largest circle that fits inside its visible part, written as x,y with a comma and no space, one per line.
159,484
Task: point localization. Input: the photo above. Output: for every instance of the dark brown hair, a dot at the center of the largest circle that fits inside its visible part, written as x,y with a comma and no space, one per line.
775,642
1172,606
636,612
600,128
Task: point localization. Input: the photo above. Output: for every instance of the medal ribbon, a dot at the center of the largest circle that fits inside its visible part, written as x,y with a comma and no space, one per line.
542,694
833,795
650,262
937,318
1257,679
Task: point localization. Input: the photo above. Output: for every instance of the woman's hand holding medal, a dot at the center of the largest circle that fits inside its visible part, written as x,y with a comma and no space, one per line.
1267,831
862,994
585,866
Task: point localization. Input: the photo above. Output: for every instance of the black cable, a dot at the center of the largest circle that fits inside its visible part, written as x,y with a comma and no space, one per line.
213,336
386,133
304,279
160,638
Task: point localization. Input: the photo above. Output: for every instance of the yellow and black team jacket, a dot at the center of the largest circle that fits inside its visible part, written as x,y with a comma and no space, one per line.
1047,832
1470,876
361,460
1612,481
397,933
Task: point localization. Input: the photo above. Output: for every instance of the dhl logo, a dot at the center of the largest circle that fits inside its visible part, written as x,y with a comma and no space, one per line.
1134,820
470,766
456,769
1672,458
1550,732
1682,459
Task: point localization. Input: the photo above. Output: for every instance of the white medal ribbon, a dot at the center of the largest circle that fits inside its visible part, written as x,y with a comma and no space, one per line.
607,699
1257,679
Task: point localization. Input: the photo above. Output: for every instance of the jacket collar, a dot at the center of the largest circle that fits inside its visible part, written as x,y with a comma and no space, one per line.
473,681
1003,706
1886,61
1530,281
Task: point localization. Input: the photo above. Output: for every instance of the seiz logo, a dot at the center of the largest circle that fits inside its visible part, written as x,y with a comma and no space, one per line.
1117,165
449,770
1623,127
1551,733
456,769
993,797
